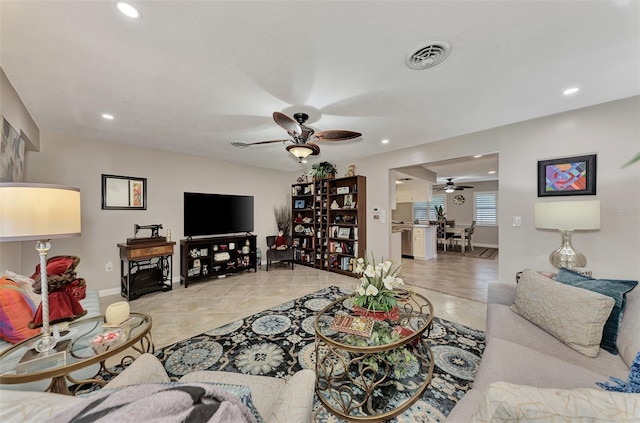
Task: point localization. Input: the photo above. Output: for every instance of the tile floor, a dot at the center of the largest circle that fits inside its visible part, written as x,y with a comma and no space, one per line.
186,312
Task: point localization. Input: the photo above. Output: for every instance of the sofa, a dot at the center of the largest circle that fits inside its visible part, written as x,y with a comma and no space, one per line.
276,400
527,372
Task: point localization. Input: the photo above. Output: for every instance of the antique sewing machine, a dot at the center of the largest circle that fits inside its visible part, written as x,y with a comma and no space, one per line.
155,234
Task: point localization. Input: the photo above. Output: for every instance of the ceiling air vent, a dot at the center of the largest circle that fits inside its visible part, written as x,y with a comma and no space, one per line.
429,55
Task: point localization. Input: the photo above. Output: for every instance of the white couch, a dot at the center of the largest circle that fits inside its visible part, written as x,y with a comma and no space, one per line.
277,400
520,353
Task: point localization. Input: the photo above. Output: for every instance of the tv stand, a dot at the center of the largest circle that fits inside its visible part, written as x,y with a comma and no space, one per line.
214,257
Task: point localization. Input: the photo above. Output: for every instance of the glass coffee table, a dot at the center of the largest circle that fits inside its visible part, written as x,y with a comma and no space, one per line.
373,377
136,334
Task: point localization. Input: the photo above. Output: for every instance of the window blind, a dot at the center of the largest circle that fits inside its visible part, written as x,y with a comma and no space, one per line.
485,208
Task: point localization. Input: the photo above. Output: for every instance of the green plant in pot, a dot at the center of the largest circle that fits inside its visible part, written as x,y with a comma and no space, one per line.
383,334
324,170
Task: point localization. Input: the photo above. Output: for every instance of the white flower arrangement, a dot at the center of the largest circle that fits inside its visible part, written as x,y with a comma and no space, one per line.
375,292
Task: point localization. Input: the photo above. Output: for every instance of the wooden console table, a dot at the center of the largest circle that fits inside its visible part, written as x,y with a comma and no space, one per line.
145,268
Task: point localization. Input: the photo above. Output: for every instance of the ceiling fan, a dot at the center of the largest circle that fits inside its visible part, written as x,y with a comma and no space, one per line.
303,137
450,186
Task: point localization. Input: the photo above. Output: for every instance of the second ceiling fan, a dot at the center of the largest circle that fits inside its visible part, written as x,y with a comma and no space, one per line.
451,187
303,137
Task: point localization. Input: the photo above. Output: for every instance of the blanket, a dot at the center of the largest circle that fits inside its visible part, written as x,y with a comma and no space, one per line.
194,403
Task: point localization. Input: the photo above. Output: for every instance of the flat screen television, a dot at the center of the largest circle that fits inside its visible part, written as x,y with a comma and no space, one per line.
216,214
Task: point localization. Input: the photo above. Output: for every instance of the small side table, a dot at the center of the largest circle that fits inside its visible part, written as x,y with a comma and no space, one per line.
145,268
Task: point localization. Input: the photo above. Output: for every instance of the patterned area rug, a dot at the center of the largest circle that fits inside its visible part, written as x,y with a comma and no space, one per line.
280,341
478,252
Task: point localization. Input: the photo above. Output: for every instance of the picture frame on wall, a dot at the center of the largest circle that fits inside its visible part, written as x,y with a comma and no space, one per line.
124,193
567,176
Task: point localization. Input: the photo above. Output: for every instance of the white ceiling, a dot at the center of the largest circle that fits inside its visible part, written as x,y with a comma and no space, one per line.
193,76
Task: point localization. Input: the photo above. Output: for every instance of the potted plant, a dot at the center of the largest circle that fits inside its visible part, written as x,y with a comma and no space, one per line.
324,170
375,295
440,212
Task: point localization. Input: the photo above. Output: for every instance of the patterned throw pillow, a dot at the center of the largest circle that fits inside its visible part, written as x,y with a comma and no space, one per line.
508,403
16,311
616,289
575,316
632,385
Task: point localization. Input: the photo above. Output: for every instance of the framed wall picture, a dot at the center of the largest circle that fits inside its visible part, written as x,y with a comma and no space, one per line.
567,176
298,204
124,193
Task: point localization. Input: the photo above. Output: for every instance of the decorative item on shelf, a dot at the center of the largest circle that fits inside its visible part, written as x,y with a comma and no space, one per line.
351,171
38,212
106,340
376,293
307,220
342,190
247,247
117,313
324,170
335,205
567,216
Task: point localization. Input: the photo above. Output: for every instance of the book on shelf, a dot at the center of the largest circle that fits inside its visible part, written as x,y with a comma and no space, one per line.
355,325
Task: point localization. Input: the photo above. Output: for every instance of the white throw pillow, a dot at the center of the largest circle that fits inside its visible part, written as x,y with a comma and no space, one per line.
508,403
575,316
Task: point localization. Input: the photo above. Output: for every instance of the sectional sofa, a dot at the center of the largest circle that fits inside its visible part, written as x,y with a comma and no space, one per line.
543,356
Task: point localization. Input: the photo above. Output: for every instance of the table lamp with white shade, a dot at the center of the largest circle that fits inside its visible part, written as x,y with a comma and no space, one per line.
39,212
567,216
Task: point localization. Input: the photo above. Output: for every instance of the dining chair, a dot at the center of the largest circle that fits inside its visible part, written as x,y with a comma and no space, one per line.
469,235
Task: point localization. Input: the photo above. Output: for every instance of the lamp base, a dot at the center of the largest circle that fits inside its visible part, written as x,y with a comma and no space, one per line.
566,255
45,343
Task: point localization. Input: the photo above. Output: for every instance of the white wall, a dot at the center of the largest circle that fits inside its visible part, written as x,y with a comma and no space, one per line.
612,130
81,163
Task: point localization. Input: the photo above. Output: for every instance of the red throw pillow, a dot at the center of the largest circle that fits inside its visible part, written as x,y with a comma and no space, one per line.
58,265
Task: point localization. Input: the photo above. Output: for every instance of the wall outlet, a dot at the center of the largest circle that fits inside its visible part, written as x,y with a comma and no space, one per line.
517,221
108,266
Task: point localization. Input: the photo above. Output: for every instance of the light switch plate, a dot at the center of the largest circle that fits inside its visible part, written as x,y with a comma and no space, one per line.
517,221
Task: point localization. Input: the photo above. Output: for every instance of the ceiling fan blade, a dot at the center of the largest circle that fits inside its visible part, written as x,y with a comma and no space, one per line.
463,186
315,147
337,135
245,144
286,123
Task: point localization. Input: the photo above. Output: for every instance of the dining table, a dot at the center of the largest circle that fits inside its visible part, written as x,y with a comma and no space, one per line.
459,230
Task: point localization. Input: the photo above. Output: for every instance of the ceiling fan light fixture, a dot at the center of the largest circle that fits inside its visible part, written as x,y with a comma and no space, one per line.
449,189
302,151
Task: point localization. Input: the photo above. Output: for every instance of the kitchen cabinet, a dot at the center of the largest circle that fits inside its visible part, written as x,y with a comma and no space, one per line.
418,243
423,242
411,192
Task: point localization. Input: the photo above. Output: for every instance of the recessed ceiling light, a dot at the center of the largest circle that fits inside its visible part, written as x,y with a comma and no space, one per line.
477,156
385,141
491,172
571,90
303,161
399,182
107,116
128,10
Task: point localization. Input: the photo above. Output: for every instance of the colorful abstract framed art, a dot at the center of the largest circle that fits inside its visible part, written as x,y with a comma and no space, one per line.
567,176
